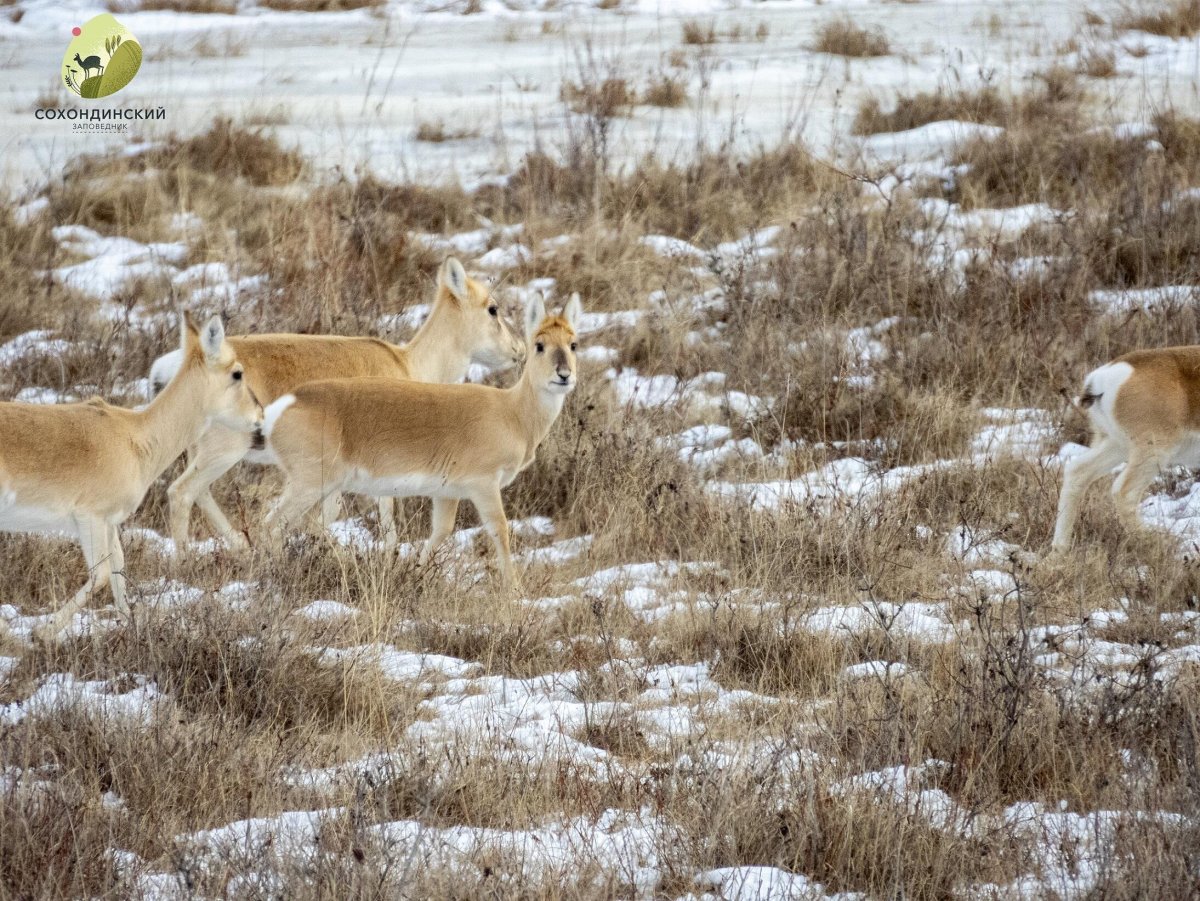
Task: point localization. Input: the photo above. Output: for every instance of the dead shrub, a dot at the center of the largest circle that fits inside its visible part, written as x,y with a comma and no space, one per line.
230,152
221,7
1172,19
699,34
321,6
665,92
1098,64
844,38
984,105
437,132
602,99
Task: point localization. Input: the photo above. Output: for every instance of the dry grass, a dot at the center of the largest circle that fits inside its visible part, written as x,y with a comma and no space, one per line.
222,7
1098,64
604,99
665,92
1177,19
437,132
843,37
762,777
699,34
321,6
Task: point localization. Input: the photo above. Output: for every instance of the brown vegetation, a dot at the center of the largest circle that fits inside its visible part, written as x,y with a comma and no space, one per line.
1007,708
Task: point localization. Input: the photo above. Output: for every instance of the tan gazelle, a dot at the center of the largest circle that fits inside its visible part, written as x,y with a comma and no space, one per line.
447,442
1144,410
84,468
465,325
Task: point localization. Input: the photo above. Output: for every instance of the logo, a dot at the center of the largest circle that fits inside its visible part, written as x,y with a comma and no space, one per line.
103,57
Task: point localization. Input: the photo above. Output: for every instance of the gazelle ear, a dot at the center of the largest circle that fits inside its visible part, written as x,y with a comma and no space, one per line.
212,338
535,312
573,311
453,278
189,334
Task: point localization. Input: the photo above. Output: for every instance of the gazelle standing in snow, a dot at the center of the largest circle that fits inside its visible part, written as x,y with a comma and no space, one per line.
447,442
1144,410
84,468
464,325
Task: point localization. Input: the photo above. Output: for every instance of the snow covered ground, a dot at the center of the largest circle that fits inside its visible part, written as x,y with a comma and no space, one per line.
676,717
350,88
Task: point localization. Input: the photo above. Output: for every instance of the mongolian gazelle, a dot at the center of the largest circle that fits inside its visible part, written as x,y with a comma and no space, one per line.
1144,410
447,442
84,468
464,325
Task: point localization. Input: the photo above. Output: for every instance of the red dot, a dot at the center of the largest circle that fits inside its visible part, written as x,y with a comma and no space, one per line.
77,31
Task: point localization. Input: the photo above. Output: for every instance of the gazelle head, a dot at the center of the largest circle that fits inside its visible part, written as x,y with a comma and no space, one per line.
551,355
483,326
225,396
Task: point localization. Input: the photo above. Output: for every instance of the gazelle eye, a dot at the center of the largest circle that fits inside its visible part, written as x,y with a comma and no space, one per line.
539,347
493,310
237,375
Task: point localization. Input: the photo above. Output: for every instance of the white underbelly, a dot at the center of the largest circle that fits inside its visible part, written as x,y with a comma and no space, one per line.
1188,453
399,485
17,518
264,457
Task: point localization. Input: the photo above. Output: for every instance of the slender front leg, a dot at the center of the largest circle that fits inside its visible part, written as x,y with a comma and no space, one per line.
116,555
218,450
387,521
93,539
445,511
1078,476
491,514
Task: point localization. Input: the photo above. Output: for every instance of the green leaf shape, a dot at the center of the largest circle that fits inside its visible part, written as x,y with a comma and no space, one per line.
90,89
121,68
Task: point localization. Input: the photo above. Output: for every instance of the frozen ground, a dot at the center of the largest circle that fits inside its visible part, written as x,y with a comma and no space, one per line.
359,105
350,88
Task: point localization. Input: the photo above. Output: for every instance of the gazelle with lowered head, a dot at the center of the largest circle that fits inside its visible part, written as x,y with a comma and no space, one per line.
1144,410
446,442
465,325
84,468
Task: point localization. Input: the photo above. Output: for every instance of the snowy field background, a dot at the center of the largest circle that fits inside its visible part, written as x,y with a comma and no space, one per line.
789,626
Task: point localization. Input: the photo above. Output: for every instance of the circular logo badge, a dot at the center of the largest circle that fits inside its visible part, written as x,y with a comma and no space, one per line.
102,58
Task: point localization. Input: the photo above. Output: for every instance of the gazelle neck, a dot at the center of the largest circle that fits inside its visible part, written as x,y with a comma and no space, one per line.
535,407
171,422
438,351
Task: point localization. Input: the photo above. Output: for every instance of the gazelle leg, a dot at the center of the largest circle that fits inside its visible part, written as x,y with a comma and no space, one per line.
219,521
491,514
1078,476
1145,462
93,539
289,510
331,508
116,555
387,521
218,450
445,510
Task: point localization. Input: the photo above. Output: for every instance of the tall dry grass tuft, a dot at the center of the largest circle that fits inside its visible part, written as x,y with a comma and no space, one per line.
1174,19
844,38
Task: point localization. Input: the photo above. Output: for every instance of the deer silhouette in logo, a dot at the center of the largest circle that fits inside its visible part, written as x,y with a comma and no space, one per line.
92,62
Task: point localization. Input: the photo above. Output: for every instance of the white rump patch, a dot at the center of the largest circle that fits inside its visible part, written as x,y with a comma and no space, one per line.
274,410
163,370
1106,381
